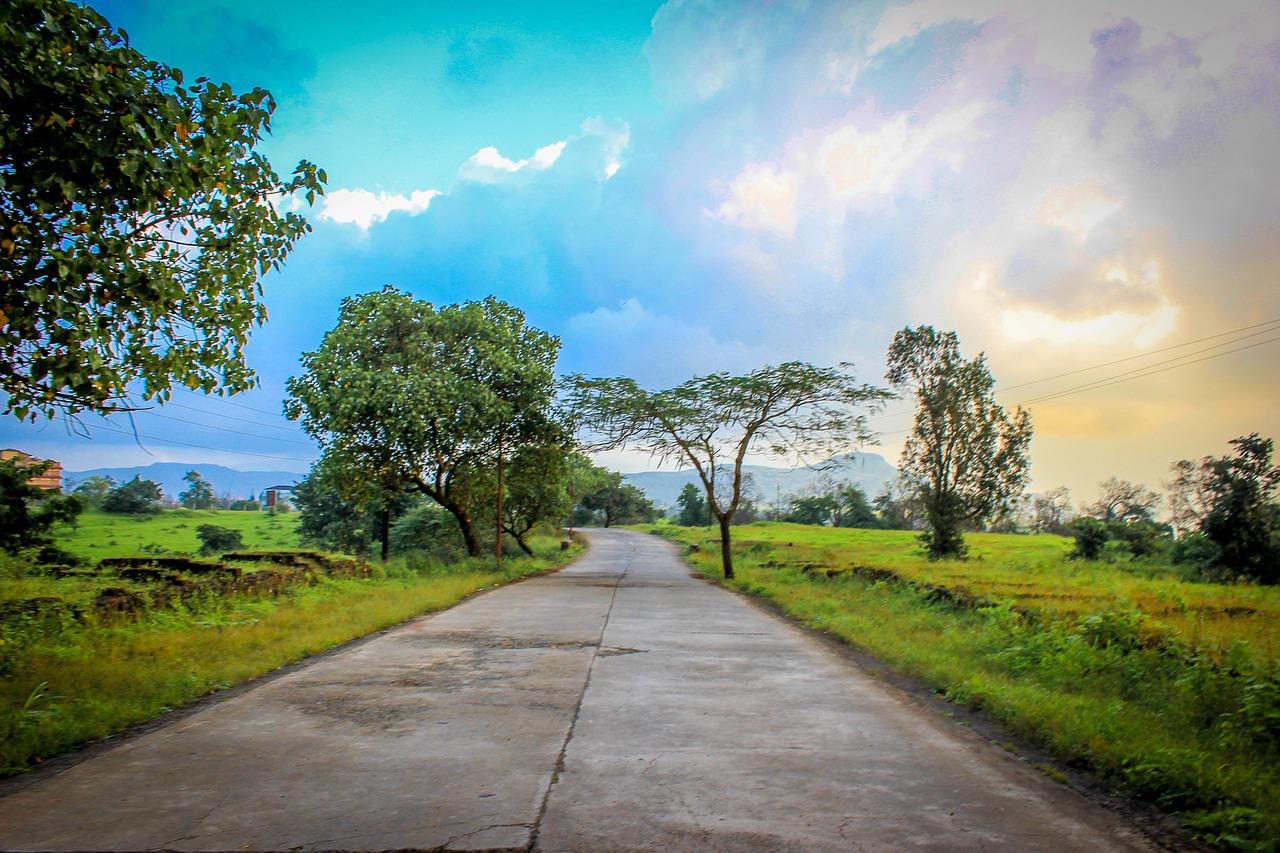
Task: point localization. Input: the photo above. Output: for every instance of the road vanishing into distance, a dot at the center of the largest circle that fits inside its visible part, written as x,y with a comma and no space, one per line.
620,704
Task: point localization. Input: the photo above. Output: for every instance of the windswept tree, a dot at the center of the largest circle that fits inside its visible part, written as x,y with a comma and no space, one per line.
136,218
965,458
402,395
711,423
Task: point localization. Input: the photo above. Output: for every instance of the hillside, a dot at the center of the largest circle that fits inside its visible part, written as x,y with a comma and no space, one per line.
226,481
870,471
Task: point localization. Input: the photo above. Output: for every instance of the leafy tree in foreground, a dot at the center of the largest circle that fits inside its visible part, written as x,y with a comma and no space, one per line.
136,218
200,495
536,490
965,458
136,497
402,395
28,513
711,423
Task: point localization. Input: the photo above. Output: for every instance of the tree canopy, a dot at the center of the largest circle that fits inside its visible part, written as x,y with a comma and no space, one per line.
136,218
28,513
965,458
711,423
402,395
200,495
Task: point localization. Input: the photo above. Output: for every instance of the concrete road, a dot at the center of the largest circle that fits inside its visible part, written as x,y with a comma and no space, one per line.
617,705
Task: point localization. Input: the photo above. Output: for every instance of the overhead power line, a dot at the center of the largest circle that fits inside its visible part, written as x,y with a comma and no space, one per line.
1140,373
204,446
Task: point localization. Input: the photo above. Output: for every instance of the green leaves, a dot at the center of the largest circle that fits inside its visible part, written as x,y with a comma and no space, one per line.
409,396
965,458
133,211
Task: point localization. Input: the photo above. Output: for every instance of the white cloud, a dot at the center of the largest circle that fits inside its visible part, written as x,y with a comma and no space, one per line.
363,208
487,166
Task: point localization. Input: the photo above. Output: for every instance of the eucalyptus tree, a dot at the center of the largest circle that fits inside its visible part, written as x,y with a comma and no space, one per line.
136,218
404,395
712,423
965,458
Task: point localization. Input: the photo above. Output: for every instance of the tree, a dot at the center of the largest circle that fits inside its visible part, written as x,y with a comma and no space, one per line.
402,395
694,511
811,509
852,509
136,218
1236,499
618,503
536,490
200,495
965,458
1049,511
93,490
136,497
1120,500
711,423
217,540
327,519
28,513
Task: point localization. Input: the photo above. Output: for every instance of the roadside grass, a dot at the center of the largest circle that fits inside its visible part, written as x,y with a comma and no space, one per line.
80,682
1166,688
98,535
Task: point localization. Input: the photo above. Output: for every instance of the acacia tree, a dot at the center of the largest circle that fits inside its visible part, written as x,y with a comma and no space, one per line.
711,423
401,395
965,458
136,218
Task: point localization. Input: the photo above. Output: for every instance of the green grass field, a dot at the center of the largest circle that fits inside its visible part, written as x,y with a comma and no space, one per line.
1169,689
98,535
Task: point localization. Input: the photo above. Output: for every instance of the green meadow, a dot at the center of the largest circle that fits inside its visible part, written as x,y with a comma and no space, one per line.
98,535
1166,688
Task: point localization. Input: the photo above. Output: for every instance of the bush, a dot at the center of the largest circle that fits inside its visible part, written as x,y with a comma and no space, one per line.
136,497
215,539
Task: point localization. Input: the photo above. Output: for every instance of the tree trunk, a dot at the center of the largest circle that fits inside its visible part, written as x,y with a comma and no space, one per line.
726,547
524,546
385,522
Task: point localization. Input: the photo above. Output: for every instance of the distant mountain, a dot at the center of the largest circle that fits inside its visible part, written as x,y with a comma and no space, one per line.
869,471
226,481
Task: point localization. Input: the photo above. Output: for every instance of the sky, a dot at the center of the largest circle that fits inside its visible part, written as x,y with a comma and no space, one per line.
1086,192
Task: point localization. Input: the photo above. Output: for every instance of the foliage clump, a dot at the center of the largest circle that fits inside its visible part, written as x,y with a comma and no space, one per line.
136,218
965,459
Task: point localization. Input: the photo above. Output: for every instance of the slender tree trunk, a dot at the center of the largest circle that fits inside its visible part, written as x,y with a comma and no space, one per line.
524,546
726,547
385,522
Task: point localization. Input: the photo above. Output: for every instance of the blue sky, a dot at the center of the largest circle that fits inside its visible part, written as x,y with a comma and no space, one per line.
697,186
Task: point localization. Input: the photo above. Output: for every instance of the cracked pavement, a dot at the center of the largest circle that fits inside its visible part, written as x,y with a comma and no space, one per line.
617,705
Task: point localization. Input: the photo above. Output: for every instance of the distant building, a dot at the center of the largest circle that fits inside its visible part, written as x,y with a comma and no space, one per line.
50,479
278,496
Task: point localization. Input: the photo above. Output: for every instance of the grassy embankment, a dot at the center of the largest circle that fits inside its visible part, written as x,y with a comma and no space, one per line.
73,682
1168,689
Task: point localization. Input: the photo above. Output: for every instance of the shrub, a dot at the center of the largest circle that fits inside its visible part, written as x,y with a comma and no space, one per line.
215,539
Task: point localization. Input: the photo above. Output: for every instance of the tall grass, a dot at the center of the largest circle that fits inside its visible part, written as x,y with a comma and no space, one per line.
79,682
1167,688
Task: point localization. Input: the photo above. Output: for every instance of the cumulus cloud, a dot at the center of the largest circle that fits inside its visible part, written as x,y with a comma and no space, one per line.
363,208
487,166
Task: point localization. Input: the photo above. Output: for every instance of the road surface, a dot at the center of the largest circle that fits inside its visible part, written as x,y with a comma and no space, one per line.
620,704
